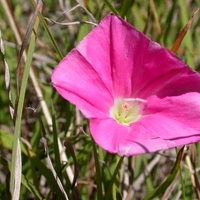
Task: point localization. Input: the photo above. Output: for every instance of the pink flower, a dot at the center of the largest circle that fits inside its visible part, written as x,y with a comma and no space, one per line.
138,96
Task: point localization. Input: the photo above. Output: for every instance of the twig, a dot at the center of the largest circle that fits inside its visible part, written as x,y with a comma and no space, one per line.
87,11
71,23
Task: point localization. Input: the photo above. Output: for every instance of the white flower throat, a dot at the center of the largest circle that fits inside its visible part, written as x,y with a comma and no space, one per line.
126,111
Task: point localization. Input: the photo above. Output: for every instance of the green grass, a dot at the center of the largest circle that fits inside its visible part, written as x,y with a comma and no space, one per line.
73,154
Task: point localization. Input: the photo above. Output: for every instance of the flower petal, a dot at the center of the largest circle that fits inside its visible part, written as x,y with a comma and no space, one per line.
168,123
110,135
115,49
126,140
184,110
106,54
76,80
131,65
164,74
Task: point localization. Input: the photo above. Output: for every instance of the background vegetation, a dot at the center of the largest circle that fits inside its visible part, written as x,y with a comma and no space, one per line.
59,159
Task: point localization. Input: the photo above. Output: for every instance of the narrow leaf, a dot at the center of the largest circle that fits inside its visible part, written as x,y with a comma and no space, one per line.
183,33
17,130
98,173
159,190
110,187
110,6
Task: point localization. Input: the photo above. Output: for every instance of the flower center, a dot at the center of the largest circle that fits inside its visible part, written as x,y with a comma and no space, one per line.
126,111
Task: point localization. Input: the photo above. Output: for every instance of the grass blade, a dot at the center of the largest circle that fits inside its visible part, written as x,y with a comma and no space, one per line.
17,130
44,24
110,6
98,173
159,190
109,190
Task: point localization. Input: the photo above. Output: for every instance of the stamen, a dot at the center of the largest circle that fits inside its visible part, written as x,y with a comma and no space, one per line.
126,107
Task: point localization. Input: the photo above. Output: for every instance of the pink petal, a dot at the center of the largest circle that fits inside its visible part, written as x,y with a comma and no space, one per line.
76,80
116,50
157,132
131,65
166,123
110,135
184,110
164,74
106,55
124,140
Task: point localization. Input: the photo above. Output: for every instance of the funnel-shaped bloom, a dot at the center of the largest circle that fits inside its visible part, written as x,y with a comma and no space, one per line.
138,96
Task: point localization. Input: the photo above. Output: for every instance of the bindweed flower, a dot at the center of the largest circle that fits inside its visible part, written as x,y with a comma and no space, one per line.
138,96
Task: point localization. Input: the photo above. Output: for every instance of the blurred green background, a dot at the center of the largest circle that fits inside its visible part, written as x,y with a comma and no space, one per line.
62,25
